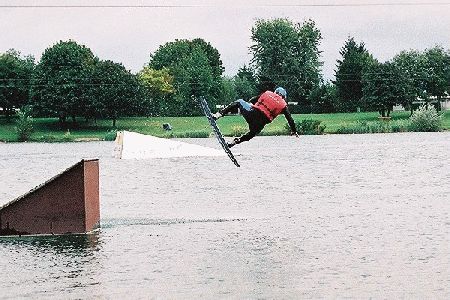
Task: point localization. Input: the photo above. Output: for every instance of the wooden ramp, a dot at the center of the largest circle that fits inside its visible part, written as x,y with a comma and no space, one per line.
66,203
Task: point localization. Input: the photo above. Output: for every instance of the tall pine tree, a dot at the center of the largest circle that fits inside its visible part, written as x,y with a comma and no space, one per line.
349,73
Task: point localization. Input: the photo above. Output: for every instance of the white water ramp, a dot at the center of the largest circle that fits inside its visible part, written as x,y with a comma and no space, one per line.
132,145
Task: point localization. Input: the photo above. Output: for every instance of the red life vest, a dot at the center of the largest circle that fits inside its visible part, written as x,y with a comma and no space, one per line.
270,104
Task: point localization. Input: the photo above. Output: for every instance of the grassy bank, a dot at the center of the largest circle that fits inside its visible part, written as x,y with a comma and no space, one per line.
48,130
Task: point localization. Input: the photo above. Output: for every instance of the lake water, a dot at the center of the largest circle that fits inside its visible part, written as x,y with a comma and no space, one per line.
334,216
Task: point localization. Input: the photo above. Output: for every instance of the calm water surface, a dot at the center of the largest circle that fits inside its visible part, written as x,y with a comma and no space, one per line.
339,216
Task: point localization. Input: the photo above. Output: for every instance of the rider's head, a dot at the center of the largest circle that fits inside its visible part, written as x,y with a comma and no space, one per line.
281,91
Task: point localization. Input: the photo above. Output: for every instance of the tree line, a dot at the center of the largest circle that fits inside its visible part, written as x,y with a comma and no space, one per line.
364,82
70,81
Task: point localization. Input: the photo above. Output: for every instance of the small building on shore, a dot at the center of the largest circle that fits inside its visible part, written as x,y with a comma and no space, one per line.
442,103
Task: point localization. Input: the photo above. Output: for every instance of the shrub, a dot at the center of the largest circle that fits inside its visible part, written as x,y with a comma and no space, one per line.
400,125
24,124
111,135
188,134
426,119
374,127
49,138
309,127
356,127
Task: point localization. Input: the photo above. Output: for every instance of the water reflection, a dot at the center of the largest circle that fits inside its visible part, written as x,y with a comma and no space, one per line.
82,245
50,266
73,244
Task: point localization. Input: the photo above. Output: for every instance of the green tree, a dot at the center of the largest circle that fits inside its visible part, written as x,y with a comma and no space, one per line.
15,78
173,53
158,85
323,98
386,85
245,83
349,73
437,70
116,91
429,71
286,54
194,78
212,54
196,68
411,65
228,93
62,80
447,73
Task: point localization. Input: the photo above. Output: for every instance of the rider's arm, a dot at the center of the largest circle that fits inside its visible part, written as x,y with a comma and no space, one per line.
291,122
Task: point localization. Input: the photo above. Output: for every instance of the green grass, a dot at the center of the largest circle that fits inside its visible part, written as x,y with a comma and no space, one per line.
48,130
446,120
334,121
7,130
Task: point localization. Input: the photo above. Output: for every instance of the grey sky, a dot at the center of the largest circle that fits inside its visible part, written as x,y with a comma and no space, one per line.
130,34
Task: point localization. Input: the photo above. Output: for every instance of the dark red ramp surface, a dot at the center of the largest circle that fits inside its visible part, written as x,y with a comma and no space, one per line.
66,203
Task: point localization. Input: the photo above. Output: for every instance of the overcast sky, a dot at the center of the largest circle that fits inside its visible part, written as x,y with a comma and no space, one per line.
129,34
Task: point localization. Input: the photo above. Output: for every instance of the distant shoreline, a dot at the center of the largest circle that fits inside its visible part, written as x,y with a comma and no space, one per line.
88,140
48,130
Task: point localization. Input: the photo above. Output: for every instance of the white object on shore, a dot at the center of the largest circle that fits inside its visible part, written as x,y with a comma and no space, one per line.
132,145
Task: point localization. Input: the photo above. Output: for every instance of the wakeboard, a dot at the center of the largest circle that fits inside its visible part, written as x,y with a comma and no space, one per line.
219,136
